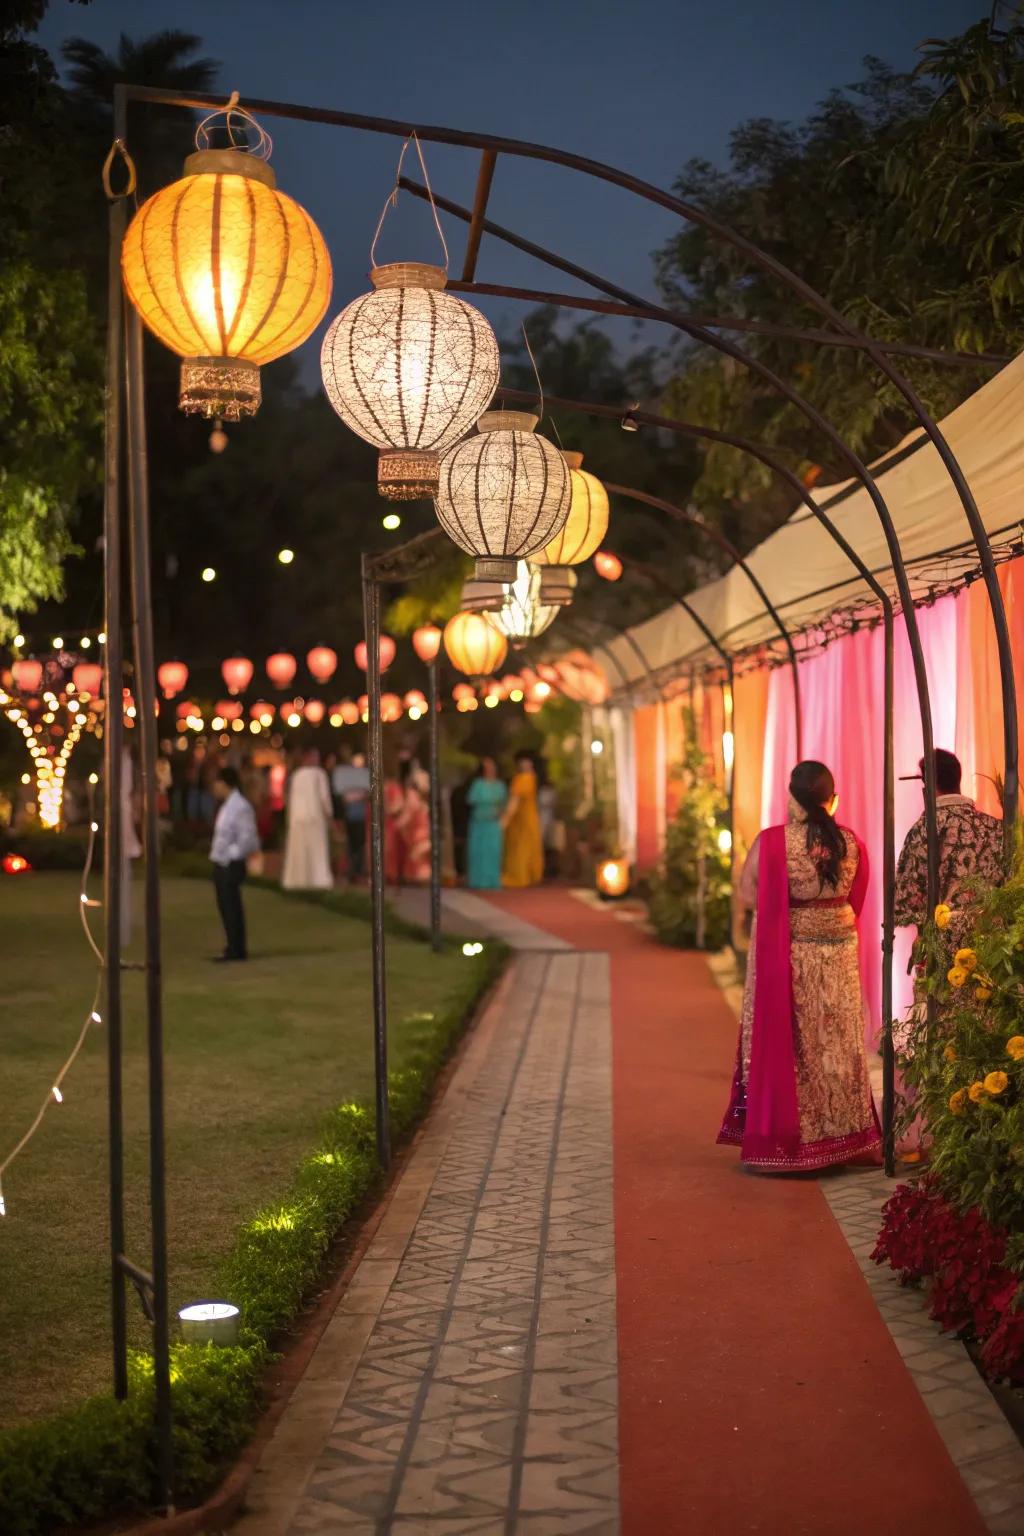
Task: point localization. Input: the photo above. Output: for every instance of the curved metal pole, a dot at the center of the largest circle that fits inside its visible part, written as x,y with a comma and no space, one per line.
375,743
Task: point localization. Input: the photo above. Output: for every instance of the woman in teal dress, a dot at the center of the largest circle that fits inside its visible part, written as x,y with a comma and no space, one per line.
487,798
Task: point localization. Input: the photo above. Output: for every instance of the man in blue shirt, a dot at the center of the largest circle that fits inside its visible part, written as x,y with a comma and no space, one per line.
235,839
350,782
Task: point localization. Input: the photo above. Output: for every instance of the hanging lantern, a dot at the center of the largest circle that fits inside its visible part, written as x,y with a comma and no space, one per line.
172,677
262,712
88,677
385,653
230,709
473,644
322,662
580,536
186,709
237,673
503,494
612,878
409,368
349,712
28,675
426,641
414,699
390,708
463,691
315,711
480,595
607,565
227,272
218,438
280,668
363,705
523,616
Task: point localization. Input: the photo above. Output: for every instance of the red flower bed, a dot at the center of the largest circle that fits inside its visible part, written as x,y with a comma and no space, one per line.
971,1291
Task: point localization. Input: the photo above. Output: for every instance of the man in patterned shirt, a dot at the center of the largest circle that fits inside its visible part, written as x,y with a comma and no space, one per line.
970,848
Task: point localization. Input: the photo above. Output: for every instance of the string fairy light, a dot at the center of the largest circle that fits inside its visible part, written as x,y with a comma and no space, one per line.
55,1092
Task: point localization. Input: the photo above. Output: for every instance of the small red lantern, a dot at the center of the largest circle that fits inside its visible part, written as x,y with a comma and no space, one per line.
261,711
186,708
363,704
28,675
280,668
349,712
237,673
315,711
463,691
386,653
322,662
15,864
607,565
229,709
414,699
172,677
612,878
426,641
88,677
390,708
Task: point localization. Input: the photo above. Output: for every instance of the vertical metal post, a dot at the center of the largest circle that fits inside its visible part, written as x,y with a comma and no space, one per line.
435,805
375,744
145,691
113,737
888,901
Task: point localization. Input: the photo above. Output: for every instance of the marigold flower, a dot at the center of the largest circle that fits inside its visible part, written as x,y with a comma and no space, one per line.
958,1101
996,1082
983,994
943,915
967,959
976,1092
949,1054
1015,1047
956,976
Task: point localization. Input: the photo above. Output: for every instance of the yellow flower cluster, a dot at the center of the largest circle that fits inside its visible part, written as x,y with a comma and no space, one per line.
1015,1047
958,1101
996,1082
943,915
966,959
950,1053
956,976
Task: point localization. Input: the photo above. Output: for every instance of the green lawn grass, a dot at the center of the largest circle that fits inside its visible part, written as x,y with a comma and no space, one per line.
256,1054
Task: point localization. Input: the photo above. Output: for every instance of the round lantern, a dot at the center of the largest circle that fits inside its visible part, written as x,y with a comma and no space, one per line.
426,641
607,565
523,616
185,709
227,272
390,708
612,878
230,709
262,711
28,675
322,662
414,699
349,712
280,668
88,677
237,673
363,704
473,644
409,368
385,653
503,494
463,691
579,537
315,711
172,677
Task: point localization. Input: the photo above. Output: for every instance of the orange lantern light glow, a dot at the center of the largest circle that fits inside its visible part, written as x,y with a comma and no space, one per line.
322,663
390,708
426,641
613,878
172,677
88,677
28,675
474,645
230,709
280,668
315,711
385,653
237,673
607,565
349,712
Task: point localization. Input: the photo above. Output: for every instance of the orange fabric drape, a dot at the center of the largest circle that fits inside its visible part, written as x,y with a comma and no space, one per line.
647,734
750,710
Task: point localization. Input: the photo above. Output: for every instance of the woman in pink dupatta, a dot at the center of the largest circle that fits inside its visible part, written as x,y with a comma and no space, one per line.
801,1095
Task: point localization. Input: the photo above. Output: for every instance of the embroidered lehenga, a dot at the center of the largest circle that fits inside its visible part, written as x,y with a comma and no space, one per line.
801,1095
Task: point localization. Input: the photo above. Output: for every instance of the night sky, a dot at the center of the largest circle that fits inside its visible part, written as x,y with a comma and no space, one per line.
640,84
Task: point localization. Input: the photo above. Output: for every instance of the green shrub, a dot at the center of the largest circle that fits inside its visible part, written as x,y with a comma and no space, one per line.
52,850
98,1458
692,885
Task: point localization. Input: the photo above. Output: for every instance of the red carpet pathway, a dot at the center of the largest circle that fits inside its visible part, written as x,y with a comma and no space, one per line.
759,1388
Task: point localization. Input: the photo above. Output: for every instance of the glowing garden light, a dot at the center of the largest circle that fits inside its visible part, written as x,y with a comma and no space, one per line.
208,573
209,1322
613,878
285,556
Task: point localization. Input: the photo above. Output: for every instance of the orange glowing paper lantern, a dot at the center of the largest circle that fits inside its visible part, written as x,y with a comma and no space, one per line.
229,709
172,677
414,699
607,565
237,673
473,644
390,708
386,653
613,878
15,864
426,641
463,691
349,712
280,668
315,711
322,663
28,675
88,677
186,708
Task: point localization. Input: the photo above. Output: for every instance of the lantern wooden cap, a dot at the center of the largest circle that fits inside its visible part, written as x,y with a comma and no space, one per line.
230,162
409,274
573,459
507,421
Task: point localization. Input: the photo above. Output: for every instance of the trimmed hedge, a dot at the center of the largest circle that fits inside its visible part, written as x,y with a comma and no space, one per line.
98,1459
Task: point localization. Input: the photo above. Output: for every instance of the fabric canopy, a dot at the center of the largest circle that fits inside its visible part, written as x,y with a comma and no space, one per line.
807,577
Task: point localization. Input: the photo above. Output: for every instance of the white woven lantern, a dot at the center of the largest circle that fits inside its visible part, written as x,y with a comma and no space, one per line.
523,616
504,494
409,368
580,537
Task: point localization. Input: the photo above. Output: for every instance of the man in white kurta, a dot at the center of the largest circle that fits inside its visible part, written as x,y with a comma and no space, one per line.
307,863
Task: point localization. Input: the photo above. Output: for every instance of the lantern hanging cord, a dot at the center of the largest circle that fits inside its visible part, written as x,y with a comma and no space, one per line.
118,150
54,1095
536,373
264,145
392,200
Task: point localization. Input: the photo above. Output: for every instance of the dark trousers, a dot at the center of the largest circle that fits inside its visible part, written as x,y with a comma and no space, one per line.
227,879
356,830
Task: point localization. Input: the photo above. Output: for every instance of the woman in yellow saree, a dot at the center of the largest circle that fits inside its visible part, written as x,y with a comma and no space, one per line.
524,852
